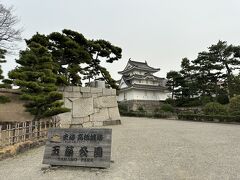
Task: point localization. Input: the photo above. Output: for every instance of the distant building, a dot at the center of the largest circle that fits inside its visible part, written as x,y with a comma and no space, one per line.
139,83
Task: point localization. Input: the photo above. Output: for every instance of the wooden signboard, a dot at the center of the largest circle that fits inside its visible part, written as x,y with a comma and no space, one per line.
78,147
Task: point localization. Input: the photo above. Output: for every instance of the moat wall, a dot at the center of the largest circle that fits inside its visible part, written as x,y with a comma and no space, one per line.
146,105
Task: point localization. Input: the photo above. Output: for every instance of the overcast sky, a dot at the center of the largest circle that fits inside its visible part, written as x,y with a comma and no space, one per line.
162,32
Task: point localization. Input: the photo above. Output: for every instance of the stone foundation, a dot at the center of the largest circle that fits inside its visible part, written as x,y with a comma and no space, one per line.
89,106
147,105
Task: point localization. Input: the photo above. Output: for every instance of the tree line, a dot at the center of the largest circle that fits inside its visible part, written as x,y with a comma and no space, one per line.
212,76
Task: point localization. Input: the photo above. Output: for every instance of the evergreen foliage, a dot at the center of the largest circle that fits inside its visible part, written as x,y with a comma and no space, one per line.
208,77
5,83
234,105
4,99
36,79
214,108
77,58
167,108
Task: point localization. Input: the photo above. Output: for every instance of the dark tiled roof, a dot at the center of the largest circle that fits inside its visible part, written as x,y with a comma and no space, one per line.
142,86
142,65
148,87
146,76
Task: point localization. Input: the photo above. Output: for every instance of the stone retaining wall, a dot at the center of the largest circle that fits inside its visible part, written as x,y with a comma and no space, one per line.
147,105
89,107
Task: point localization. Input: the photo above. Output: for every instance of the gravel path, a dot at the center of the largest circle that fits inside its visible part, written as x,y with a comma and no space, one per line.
148,149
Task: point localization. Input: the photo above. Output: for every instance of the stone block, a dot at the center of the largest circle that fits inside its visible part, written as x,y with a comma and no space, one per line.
96,90
87,124
76,126
105,101
112,122
77,120
99,94
96,110
68,89
90,118
65,118
107,92
113,92
67,94
75,94
114,113
72,99
83,107
102,115
94,95
80,120
97,123
85,89
76,88
67,103
65,125
61,88
86,95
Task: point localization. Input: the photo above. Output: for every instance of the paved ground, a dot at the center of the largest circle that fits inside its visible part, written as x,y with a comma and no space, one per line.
149,149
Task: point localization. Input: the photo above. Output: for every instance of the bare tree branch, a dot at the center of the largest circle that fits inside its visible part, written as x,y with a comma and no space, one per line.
8,31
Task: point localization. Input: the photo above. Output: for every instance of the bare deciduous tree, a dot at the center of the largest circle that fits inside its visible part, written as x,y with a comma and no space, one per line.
8,30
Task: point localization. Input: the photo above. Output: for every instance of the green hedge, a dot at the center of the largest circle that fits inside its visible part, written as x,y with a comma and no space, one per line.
145,114
200,117
4,99
214,108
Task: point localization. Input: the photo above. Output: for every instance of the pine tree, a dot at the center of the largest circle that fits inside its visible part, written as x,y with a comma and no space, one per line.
76,58
229,57
174,83
101,50
37,81
69,55
5,83
208,74
2,60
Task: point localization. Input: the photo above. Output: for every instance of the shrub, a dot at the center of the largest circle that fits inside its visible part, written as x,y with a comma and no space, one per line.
140,108
200,117
122,107
4,99
223,99
188,102
205,100
167,108
214,108
170,101
162,114
193,103
234,105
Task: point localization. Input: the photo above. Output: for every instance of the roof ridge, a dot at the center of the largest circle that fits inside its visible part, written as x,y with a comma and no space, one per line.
138,61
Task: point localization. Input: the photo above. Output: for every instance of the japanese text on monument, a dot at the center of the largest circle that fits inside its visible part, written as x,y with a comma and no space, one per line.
78,147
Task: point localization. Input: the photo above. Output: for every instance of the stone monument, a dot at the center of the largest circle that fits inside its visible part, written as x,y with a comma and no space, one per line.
90,107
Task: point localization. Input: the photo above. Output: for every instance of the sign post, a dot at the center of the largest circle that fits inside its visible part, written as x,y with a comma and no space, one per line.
78,147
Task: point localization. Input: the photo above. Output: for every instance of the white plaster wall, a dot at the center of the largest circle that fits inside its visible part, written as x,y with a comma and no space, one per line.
149,95
149,82
126,95
120,96
143,95
122,84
